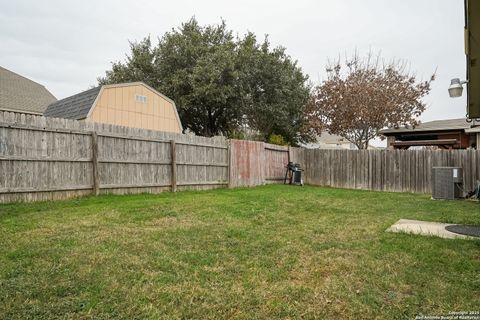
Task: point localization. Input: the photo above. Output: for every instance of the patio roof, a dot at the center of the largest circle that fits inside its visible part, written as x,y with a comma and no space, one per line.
437,125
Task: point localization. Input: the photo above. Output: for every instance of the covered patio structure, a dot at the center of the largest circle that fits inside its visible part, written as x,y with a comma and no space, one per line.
444,134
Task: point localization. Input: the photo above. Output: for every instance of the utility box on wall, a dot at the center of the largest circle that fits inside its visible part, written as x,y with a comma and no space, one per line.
447,183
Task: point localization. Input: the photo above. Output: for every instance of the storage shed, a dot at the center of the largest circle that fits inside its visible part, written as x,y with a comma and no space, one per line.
132,104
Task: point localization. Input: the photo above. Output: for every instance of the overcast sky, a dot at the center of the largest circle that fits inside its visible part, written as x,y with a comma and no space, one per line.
66,45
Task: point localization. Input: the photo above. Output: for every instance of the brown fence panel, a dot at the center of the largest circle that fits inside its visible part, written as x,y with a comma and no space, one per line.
247,163
276,157
255,163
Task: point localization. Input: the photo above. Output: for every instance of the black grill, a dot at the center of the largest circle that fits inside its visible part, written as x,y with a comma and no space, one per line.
293,174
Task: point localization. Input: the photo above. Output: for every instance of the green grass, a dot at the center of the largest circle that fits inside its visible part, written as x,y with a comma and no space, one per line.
273,252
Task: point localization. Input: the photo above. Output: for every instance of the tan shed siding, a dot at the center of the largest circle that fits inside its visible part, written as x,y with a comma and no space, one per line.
119,106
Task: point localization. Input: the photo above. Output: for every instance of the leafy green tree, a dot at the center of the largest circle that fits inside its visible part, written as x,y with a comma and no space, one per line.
277,90
138,66
221,84
197,66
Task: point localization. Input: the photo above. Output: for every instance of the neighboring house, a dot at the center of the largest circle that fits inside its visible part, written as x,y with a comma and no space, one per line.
133,104
330,141
444,134
20,94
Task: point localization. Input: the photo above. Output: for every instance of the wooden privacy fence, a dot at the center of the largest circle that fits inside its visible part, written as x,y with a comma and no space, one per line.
387,170
255,163
46,158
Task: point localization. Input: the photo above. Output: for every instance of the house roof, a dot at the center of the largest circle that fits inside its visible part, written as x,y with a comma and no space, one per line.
329,141
18,93
75,107
437,125
329,138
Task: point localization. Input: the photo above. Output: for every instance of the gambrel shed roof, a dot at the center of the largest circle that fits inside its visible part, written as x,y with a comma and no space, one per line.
75,107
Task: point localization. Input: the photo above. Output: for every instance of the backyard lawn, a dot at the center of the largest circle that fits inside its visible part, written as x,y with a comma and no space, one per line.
272,252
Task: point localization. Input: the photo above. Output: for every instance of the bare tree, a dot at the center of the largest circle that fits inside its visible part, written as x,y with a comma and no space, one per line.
363,96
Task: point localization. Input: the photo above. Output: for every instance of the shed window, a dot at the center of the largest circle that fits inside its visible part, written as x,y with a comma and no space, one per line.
140,98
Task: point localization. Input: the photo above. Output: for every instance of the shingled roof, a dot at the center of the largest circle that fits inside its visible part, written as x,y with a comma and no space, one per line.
20,94
437,125
75,107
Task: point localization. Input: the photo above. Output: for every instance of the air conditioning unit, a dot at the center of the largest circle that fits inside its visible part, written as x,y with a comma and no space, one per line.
447,183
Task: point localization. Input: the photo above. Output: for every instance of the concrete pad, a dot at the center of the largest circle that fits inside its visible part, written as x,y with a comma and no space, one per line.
425,228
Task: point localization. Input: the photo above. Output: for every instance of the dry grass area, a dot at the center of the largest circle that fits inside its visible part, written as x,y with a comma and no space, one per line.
273,252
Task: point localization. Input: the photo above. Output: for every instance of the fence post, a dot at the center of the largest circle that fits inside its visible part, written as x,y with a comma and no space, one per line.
289,154
174,165
229,159
96,180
